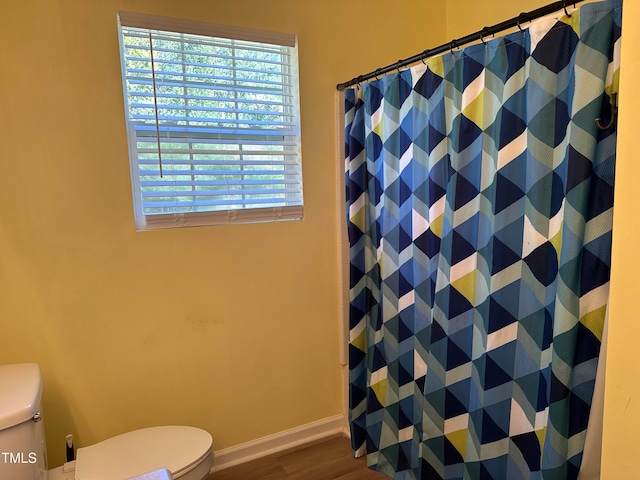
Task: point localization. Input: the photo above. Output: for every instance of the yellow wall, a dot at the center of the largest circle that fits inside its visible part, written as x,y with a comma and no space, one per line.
622,388
229,328
469,16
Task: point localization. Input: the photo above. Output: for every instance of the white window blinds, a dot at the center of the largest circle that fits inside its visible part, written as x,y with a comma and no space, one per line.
213,122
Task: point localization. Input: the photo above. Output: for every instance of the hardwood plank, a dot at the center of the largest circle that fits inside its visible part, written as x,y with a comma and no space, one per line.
326,459
266,467
324,452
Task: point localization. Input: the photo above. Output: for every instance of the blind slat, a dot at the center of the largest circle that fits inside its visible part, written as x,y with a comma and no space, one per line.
212,56
236,153
143,136
202,151
217,121
240,132
213,203
215,183
190,108
218,58
203,110
271,193
202,77
195,162
201,173
224,69
148,82
210,98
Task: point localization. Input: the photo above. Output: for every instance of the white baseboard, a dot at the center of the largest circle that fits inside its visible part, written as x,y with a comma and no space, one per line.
245,452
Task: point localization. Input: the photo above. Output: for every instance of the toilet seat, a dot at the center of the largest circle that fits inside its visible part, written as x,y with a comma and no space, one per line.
181,450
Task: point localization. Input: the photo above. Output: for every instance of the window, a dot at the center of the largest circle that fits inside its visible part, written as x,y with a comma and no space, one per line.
212,115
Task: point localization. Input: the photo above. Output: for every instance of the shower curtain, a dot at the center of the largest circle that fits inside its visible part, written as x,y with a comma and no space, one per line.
479,205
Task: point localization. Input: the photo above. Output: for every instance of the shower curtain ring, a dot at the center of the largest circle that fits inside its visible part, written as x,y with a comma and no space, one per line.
564,5
482,35
452,45
522,20
375,74
424,56
614,114
398,65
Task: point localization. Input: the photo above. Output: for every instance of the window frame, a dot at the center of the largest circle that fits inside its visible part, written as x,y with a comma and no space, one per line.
145,221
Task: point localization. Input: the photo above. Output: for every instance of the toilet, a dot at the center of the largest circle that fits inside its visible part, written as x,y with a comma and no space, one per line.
186,452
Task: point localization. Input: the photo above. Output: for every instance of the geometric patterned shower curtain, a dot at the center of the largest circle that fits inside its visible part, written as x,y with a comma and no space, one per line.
479,204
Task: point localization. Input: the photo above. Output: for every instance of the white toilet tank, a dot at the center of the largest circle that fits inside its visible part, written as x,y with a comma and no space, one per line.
22,446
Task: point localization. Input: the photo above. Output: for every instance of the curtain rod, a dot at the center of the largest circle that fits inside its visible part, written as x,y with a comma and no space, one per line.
524,17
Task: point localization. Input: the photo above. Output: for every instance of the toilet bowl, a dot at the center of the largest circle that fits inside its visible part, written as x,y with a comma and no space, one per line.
185,451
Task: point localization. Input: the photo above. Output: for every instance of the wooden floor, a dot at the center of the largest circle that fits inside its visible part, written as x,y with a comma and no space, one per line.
323,460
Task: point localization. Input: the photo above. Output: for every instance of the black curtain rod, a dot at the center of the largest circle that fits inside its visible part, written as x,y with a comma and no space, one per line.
524,17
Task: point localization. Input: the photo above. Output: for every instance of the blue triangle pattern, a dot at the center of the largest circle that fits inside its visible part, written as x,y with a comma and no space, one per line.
465,237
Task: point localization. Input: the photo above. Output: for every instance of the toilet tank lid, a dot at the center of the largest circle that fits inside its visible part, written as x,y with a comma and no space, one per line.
20,393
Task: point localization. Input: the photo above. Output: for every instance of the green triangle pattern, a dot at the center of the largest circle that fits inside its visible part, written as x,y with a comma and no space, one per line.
479,206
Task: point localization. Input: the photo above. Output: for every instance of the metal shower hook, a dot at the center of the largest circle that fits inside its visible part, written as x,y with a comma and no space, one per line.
482,35
564,6
614,114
